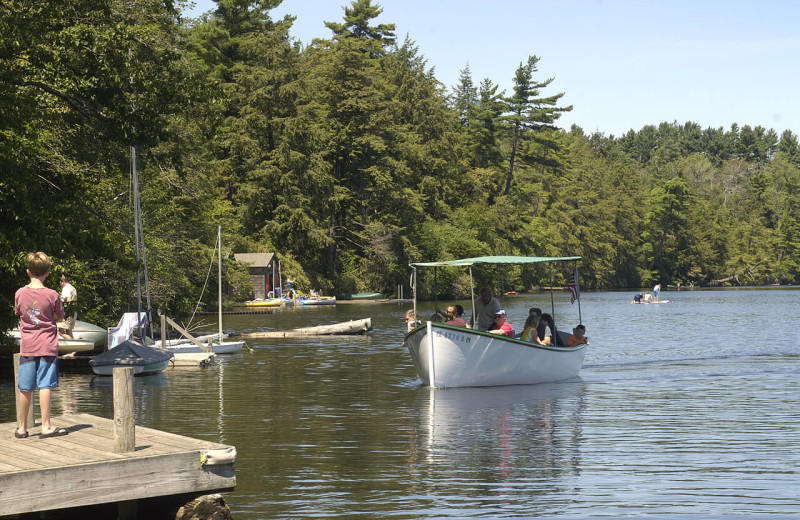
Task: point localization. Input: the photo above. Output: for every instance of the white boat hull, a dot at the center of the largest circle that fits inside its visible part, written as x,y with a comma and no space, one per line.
448,356
318,301
143,370
224,347
65,346
91,332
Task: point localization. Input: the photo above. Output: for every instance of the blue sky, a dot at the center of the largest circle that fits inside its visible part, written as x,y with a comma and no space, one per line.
622,64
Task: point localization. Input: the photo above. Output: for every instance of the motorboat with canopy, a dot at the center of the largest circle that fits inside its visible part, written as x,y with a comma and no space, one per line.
451,356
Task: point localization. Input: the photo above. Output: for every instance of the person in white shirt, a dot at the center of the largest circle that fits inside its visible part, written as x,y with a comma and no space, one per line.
69,298
485,308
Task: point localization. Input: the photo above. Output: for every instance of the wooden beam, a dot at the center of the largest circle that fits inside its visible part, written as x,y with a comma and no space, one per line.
186,334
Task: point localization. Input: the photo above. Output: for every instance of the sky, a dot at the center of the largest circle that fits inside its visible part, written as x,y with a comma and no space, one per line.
621,64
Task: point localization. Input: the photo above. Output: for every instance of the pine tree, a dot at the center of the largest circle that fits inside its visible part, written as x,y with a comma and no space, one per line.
526,111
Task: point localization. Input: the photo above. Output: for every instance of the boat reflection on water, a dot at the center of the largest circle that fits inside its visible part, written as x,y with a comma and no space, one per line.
505,435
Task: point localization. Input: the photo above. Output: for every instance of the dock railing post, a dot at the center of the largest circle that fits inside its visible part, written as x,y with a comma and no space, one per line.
124,437
31,416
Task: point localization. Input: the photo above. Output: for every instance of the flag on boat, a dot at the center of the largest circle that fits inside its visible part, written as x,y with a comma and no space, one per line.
574,289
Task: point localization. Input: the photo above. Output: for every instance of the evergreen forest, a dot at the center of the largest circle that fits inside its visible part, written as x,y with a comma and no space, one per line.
348,159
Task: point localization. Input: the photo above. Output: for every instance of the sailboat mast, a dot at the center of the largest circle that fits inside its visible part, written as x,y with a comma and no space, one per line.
219,261
135,190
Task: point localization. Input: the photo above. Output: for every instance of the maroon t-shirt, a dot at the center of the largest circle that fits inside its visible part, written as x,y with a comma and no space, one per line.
39,309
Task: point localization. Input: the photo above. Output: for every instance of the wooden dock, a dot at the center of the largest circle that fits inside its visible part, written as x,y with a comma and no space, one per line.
82,468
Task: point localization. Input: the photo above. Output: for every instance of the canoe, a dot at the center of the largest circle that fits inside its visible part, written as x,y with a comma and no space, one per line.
130,353
359,296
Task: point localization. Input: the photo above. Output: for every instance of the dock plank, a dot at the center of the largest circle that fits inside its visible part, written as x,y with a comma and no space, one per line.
81,468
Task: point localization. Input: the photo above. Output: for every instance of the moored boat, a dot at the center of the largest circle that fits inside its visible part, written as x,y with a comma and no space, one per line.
318,300
269,302
90,332
359,296
65,345
213,345
130,353
450,356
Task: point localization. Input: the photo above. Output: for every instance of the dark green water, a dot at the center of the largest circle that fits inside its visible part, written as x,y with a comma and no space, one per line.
681,408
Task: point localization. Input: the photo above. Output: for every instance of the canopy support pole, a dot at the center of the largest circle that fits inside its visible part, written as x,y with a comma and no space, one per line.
435,290
552,302
414,291
578,285
472,295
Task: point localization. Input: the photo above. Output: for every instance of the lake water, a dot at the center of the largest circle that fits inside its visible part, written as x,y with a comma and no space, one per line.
682,408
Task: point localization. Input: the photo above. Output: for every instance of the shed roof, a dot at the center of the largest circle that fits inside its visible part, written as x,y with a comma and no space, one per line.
255,259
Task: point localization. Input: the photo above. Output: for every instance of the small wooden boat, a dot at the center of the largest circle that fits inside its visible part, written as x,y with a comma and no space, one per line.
449,356
130,353
359,296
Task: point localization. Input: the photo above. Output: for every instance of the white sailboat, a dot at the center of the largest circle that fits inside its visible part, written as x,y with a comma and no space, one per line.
215,342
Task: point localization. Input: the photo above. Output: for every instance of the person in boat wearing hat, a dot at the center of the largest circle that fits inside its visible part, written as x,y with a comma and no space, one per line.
501,326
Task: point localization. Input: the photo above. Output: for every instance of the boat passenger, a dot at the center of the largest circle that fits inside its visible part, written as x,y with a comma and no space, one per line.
460,314
578,337
411,321
501,326
637,298
452,317
648,298
485,308
531,324
546,330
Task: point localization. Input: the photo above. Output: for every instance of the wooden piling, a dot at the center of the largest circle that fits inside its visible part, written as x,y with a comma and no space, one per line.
124,434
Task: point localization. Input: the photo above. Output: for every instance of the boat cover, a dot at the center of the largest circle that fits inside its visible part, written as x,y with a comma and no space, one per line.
130,353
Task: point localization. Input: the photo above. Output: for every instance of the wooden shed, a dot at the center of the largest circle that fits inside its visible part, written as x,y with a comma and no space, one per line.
264,272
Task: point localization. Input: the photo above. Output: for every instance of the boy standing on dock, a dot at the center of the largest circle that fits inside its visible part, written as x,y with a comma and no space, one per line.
39,308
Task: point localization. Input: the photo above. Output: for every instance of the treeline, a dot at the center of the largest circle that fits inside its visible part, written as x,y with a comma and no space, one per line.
349,159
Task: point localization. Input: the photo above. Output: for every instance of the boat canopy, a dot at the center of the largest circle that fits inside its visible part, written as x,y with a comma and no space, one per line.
497,260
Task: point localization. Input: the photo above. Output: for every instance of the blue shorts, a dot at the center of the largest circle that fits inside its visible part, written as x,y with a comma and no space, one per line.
37,372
